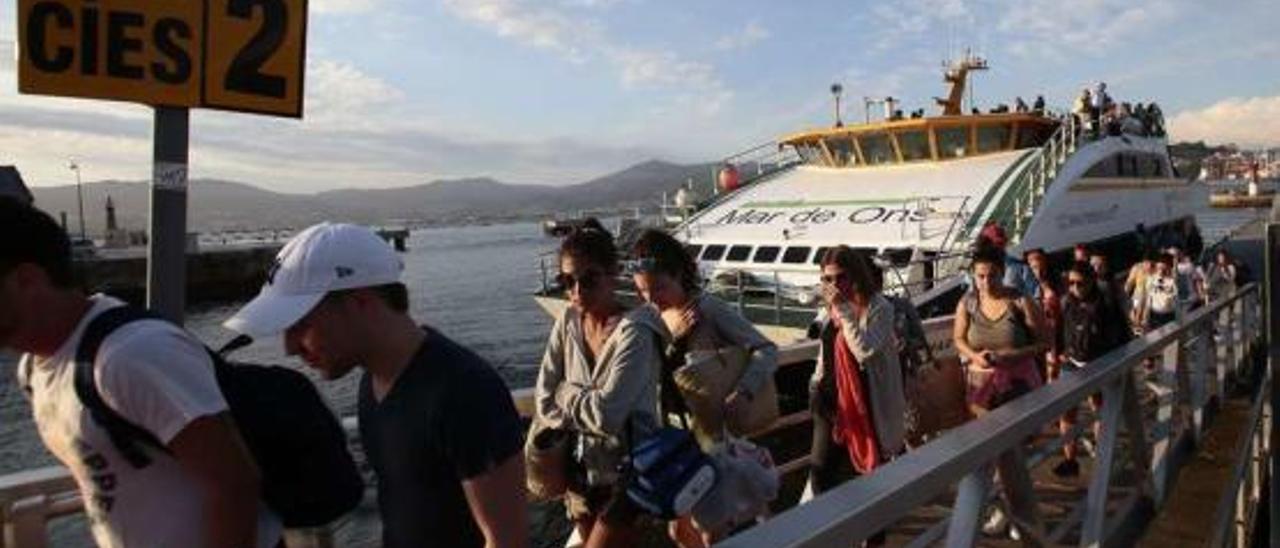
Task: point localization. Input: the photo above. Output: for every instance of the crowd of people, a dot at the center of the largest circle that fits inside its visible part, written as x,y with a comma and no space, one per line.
1099,115
439,428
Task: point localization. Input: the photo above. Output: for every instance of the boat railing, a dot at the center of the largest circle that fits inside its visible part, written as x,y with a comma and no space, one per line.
1162,412
1026,192
763,295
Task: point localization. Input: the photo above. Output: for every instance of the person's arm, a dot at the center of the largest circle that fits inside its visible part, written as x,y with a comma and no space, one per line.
501,517
734,329
210,450
868,334
161,379
551,375
481,436
631,370
960,337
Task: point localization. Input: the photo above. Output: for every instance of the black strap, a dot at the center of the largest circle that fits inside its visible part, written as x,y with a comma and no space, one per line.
128,438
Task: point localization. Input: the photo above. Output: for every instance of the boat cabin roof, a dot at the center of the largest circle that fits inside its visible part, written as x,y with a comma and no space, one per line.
931,139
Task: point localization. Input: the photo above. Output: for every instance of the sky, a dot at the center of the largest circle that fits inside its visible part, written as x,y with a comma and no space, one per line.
402,92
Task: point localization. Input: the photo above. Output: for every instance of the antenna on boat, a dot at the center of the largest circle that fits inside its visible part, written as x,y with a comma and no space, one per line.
836,91
957,74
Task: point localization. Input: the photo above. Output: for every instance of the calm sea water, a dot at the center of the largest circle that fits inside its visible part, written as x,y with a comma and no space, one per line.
472,283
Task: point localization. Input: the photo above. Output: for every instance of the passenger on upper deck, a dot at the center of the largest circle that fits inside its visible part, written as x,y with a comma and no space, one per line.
1019,105
1038,106
200,487
437,423
599,381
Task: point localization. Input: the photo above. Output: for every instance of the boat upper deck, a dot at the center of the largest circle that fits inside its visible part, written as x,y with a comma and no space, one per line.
924,139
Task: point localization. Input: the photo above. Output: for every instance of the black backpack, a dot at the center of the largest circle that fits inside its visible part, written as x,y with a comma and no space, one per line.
308,476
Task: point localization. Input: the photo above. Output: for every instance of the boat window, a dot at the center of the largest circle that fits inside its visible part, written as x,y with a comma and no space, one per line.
796,255
713,252
1157,166
876,149
914,146
738,253
953,142
1033,135
1107,167
766,254
817,257
899,257
693,250
841,151
993,137
810,152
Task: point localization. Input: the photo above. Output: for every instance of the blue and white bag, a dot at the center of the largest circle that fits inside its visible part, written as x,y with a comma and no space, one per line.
669,473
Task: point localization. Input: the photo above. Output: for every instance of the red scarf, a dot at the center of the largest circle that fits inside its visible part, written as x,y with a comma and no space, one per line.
853,427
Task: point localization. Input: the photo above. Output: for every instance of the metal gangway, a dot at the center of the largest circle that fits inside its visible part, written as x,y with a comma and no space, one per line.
1150,421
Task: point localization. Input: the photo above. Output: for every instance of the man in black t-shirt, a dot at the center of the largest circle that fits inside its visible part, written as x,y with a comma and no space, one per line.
437,423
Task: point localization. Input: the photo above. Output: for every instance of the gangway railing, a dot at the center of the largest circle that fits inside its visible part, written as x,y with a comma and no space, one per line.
1236,518
1195,367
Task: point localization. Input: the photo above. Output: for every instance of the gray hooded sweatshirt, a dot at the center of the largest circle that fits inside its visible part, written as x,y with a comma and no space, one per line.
596,399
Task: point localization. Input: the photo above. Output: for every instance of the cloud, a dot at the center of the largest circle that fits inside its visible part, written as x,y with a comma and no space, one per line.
543,28
1049,29
1249,122
342,7
8,55
744,38
582,40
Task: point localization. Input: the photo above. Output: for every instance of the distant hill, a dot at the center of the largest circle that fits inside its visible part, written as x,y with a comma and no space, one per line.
224,205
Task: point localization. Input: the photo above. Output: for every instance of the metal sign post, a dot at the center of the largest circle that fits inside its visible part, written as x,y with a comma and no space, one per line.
167,253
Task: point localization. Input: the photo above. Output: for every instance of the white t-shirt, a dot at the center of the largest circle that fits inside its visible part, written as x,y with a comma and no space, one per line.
158,377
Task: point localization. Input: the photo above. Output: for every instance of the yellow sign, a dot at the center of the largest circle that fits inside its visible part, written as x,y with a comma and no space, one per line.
244,55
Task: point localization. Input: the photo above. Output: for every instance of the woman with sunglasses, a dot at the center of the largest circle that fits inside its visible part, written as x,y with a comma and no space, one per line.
856,394
599,380
667,278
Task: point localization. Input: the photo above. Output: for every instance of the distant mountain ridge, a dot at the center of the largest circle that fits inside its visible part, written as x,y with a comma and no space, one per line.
215,205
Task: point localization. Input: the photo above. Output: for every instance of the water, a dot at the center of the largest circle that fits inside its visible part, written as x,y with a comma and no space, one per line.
472,283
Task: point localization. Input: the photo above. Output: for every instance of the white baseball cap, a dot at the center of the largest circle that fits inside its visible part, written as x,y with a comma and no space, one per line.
323,258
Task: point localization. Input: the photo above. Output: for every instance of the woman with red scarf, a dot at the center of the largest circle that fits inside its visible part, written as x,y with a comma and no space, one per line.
856,394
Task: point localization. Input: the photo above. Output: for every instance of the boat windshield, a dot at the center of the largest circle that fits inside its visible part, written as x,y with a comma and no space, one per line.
920,140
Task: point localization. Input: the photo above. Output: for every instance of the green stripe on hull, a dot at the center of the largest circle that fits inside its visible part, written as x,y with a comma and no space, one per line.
805,203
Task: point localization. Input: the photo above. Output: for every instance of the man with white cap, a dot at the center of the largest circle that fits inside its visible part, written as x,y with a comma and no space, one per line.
437,423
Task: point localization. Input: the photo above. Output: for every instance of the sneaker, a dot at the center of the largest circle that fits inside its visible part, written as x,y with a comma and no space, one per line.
1067,469
1088,446
996,523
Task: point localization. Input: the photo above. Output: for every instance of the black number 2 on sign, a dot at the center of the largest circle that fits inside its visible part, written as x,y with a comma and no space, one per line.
245,74
255,55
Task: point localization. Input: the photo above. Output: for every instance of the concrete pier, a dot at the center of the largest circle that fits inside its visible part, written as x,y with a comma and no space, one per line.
213,274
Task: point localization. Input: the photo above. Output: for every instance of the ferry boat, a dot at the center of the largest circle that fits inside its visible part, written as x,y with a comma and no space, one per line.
916,191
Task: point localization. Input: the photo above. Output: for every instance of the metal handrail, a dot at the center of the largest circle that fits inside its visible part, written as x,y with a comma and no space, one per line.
967,454
1236,515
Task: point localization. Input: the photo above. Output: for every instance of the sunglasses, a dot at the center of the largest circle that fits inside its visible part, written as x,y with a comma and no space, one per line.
583,281
1076,283
644,265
